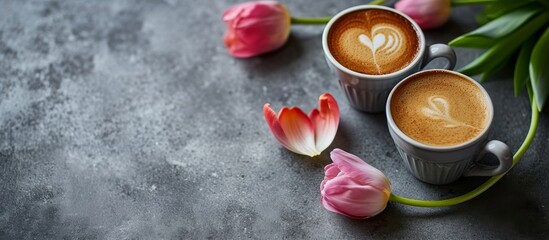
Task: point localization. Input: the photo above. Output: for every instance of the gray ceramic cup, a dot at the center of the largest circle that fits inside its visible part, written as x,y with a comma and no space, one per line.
441,165
369,92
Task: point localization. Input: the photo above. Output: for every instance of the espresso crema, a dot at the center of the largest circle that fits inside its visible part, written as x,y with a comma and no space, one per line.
373,41
439,108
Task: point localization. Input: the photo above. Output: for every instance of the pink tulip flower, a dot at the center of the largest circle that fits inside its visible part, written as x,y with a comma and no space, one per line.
426,13
254,28
302,134
353,188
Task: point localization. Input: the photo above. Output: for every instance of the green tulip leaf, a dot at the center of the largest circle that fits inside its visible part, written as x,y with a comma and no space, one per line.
483,63
539,70
502,7
491,72
508,23
504,48
477,41
489,34
522,66
482,18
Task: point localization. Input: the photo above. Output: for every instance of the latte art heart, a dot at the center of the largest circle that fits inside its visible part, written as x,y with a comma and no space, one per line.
373,41
388,45
439,109
378,41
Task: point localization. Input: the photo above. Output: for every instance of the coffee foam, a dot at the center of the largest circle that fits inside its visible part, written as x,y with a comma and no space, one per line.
439,108
373,41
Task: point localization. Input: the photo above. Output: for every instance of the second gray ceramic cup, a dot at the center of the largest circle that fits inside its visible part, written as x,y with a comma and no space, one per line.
445,164
369,92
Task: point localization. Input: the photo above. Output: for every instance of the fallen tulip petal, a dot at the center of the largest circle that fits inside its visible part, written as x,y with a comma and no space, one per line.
299,130
325,120
276,129
302,134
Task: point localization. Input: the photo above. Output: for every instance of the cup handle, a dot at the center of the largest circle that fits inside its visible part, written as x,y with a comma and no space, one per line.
440,50
502,153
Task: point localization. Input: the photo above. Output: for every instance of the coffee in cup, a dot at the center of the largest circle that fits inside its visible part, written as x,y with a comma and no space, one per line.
440,121
371,48
373,41
439,109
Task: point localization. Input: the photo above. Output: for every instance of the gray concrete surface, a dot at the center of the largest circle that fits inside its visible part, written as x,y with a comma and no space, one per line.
128,120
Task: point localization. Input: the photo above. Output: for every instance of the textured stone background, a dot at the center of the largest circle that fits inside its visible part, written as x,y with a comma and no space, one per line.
128,120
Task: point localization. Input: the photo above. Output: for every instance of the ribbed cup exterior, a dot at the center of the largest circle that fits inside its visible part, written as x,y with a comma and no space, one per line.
435,173
438,166
367,100
369,94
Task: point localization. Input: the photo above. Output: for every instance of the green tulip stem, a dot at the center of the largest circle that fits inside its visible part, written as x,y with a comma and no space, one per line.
457,3
323,20
485,186
320,20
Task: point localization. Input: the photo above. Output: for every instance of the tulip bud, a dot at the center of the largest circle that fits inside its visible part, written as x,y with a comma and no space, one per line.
353,188
426,13
254,28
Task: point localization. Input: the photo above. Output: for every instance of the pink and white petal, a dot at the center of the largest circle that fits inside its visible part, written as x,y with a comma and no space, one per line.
353,192
264,33
359,170
373,204
253,9
259,8
264,26
331,171
352,199
257,27
298,130
272,121
232,12
325,120
328,105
